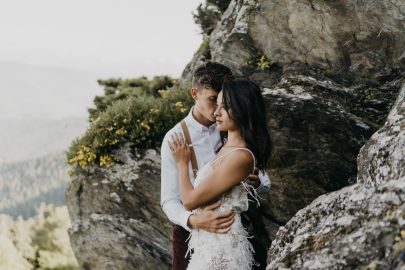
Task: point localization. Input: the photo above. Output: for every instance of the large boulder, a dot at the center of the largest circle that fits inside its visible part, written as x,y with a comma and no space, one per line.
358,227
383,157
354,228
330,75
117,222
317,129
315,142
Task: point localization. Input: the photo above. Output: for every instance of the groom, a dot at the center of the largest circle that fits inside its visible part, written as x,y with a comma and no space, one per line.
205,138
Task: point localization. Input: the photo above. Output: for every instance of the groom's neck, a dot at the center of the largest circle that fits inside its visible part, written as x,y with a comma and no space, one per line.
201,118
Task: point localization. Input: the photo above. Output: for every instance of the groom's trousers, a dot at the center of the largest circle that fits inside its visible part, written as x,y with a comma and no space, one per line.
180,245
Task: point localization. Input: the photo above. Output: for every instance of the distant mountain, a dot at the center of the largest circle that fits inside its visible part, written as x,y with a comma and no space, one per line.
26,139
24,185
42,109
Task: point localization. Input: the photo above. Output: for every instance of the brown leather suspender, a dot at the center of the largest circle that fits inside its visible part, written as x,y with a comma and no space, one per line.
188,141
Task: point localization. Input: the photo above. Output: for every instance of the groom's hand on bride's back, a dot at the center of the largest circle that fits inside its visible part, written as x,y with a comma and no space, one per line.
253,179
209,220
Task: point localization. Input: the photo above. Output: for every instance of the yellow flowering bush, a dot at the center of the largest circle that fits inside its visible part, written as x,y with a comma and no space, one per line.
142,120
84,157
106,161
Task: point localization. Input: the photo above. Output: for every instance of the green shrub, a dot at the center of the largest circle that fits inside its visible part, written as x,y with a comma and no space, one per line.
142,118
208,14
118,89
206,17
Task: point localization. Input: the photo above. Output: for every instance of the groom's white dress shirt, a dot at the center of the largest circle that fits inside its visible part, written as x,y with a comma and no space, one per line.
205,141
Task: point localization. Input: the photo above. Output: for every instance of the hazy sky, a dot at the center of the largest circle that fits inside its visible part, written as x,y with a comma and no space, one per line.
53,51
111,37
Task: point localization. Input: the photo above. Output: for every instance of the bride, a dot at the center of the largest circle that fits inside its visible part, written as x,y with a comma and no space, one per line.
240,111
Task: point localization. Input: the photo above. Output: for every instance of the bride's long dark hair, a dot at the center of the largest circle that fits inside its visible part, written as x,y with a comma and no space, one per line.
245,105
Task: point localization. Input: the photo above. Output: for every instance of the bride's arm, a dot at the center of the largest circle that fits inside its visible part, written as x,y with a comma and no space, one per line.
235,168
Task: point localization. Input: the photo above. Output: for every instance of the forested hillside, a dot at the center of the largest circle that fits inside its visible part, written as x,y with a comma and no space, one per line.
24,185
40,242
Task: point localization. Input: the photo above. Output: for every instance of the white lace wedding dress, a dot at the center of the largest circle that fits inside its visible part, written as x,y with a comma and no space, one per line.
223,251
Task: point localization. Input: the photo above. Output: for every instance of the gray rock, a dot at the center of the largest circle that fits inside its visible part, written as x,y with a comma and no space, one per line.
197,60
362,37
348,40
317,128
230,42
389,143
358,227
117,222
318,123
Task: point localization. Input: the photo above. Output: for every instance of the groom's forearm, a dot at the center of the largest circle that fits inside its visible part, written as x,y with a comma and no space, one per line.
186,188
211,221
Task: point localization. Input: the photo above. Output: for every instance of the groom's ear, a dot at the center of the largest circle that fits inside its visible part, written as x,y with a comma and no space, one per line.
194,92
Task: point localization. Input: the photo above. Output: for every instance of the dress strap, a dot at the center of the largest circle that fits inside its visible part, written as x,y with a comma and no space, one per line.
233,150
249,188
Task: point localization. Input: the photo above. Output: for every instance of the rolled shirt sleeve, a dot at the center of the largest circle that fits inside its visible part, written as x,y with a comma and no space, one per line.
264,183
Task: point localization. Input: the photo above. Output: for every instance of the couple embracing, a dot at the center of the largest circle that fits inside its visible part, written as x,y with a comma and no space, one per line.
213,164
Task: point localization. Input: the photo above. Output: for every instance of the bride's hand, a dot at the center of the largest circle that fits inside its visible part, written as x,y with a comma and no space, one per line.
181,151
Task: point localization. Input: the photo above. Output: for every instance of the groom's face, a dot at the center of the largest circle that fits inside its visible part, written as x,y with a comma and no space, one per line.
205,101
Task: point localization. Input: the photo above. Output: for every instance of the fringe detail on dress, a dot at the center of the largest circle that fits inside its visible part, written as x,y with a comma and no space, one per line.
252,192
229,251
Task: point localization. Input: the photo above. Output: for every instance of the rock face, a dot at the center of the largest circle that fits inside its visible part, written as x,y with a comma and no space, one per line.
363,37
358,39
383,156
317,128
354,228
330,73
316,139
358,227
117,219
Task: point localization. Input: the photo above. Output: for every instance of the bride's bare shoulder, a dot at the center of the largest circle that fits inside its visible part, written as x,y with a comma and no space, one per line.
238,160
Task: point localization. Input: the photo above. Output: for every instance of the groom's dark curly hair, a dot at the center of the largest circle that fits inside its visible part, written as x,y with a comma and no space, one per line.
211,75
